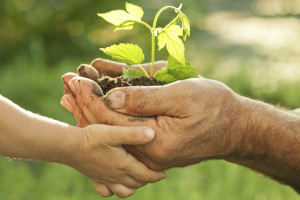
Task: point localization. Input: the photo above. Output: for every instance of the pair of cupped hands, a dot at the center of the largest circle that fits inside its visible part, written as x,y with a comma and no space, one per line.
191,124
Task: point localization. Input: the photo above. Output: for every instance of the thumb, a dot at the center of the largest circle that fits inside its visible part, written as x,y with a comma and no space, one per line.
147,101
119,135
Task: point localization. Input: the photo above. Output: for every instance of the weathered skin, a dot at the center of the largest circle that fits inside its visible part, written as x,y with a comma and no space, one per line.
197,119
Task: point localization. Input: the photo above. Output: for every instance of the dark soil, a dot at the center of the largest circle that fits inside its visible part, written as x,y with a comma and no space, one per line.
107,83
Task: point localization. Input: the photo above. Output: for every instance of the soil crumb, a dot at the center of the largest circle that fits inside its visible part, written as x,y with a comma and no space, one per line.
107,83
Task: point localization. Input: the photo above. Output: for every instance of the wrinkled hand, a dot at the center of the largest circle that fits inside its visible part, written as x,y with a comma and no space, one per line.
194,122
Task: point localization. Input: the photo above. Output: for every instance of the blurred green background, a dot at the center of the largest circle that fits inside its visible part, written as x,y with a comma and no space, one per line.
250,45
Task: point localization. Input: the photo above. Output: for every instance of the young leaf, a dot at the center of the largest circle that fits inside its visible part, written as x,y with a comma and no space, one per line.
185,26
174,21
126,53
175,71
124,20
134,10
116,17
186,30
130,73
164,76
170,36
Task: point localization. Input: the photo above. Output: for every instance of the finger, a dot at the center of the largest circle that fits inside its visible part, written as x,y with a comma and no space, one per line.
88,72
65,79
89,99
69,102
101,189
147,66
149,101
130,182
119,135
114,69
121,190
108,67
140,172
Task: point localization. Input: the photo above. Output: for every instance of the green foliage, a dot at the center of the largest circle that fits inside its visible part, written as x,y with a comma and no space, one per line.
175,71
168,37
130,73
124,20
127,53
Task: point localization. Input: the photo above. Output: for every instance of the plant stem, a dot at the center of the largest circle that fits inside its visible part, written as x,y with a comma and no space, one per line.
154,34
145,24
142,68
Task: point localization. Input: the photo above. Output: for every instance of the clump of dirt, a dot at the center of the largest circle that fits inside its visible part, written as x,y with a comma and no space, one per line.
107,83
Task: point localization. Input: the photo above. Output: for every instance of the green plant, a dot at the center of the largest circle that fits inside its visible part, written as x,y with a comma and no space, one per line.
170,36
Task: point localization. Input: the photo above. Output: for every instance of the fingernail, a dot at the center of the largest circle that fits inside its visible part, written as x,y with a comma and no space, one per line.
66,103
71,85
149,133
116,99
97,90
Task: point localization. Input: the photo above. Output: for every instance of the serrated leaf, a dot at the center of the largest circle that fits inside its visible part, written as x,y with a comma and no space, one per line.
130,73
126,53
116,17
134,10
175,71
124,20
170,37
164,76
185,26
125,26
174,21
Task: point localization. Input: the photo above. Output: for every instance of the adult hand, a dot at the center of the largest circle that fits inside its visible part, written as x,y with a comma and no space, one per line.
199,119
192,125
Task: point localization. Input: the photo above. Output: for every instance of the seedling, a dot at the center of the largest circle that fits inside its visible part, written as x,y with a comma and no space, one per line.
170,37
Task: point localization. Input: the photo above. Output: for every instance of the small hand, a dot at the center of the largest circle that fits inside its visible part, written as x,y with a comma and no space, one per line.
101,157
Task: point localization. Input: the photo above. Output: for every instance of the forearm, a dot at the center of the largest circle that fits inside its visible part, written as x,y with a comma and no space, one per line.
269,142
30,136
296,112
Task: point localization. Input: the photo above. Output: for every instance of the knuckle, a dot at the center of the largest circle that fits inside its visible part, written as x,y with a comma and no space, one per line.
138,99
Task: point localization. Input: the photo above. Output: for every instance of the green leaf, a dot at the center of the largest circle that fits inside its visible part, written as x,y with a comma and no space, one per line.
174,21
130,73
186,29
134,10
164,76
124,20
116,17
126,53
169,37
185,26
175,71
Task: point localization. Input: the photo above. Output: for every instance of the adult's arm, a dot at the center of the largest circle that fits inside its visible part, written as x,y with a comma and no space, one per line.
199,119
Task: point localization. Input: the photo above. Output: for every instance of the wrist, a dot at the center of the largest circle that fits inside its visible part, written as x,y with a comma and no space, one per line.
66,150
